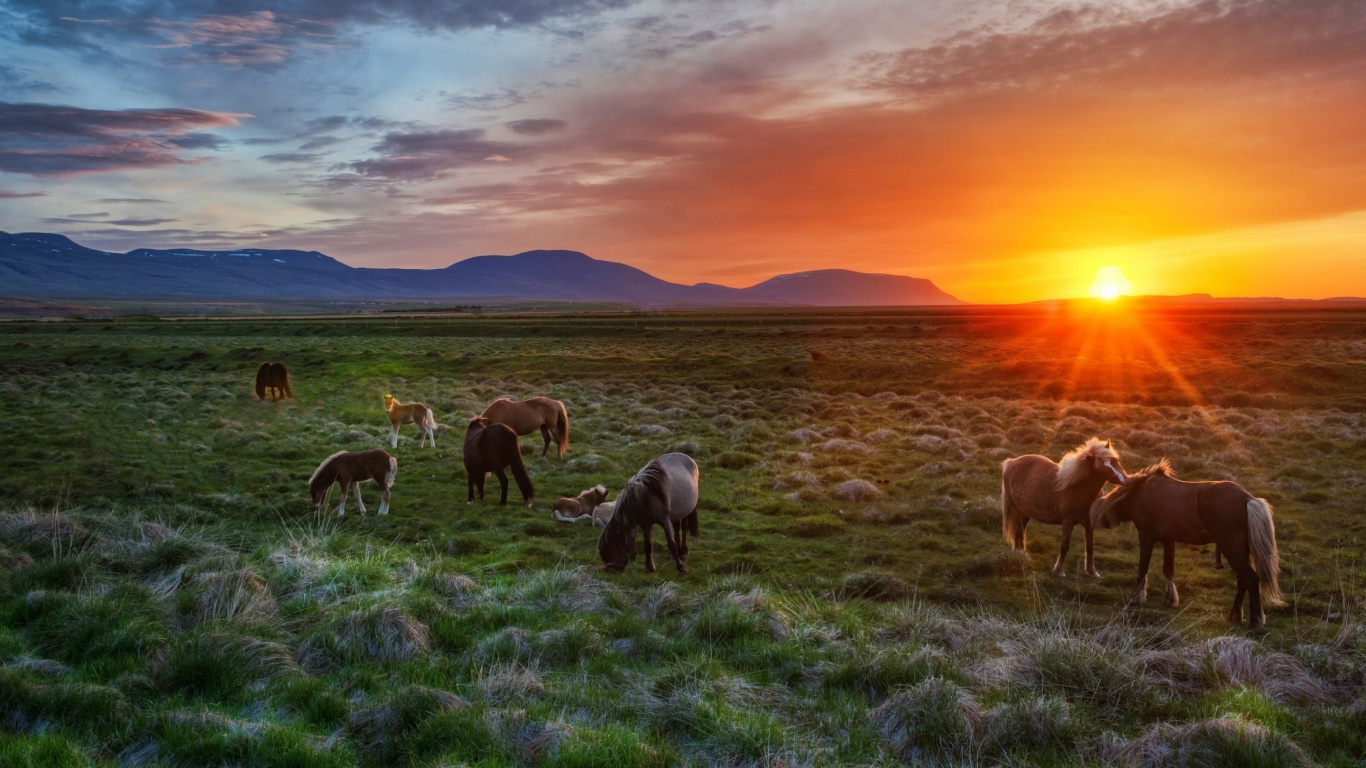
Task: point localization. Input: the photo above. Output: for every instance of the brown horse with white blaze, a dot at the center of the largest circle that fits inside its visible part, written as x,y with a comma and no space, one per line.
1164,509
1034,488
348,469
535,413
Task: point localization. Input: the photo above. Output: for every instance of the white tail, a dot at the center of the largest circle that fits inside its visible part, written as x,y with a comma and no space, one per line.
393,471
1261,541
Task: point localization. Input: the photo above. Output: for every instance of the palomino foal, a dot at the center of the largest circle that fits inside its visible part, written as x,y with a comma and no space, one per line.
409,413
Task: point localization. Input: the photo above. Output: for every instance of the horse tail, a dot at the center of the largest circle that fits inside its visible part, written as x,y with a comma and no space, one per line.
393,471
1261,540
261,380
284,380
1011,524
562,428
690,524
519,474
429,424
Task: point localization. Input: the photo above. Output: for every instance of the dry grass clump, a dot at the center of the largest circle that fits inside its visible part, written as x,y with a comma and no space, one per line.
236,595
735,616
27,526
384,633
567,589
1240,661
378,727
509,682
856,490
934,723
1045,723
878,586
1078,669
1214,743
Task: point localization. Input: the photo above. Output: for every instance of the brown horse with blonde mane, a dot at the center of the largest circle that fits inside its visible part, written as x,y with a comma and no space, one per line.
409,413
1164,509
348,469
1034,488
492,448
536,413
273,377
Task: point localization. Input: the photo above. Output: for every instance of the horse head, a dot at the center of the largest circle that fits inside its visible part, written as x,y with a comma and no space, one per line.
1115,507
617,545
1093,458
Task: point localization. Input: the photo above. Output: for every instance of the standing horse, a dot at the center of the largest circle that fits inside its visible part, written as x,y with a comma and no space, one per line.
409,413
491,448
1172,511
348,469
275,377
527,416
663,493
1034,488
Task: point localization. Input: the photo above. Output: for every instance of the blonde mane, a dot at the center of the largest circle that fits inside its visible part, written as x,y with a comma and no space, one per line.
1076,464
321,466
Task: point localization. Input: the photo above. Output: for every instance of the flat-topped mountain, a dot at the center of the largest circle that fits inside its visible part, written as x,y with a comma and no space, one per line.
41,264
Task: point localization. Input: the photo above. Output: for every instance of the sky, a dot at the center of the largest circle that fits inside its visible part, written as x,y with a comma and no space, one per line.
1005,150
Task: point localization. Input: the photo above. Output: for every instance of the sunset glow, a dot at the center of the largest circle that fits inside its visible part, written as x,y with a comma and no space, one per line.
995,149
1110,284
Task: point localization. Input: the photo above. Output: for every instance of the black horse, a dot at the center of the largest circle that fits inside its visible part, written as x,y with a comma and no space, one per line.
273,377
492,448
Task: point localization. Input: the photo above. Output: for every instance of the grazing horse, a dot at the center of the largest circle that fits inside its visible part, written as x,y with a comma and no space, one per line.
1034,488
1172,511
663,493
527,416
409,413
491,448
275,377
567,510
348,469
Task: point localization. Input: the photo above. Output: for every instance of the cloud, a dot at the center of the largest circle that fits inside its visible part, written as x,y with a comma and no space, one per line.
141,222
131,200
20,80
54,140
488,101
6,194
536,126
319,142
419,155
290,157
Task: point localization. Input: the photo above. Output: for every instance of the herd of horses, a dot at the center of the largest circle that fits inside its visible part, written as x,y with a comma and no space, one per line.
1068,493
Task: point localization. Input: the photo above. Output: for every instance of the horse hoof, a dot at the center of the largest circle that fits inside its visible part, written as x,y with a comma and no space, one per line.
1093,573
1235,617
1256,622
682,570
1172,602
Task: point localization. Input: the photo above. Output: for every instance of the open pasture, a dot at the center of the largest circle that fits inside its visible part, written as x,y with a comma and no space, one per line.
851,601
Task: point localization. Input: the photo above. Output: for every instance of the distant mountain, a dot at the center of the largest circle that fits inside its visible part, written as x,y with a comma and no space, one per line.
39,264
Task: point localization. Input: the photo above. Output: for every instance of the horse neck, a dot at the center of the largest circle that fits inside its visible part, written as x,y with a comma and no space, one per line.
326,476
472,436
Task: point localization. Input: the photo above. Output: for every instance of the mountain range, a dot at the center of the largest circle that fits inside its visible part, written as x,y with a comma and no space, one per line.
51,265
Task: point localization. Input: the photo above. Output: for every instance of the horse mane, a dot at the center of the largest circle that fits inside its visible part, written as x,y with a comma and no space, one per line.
1102,506
322,466
649,481
1077,463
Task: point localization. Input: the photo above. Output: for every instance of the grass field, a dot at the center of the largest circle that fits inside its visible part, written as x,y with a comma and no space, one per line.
167,597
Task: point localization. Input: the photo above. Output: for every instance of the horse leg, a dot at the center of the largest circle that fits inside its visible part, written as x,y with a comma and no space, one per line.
1249,582
1145,555
674,550
1218,557
1169,571
469,481
502,481
1090,551
393,435
341,510
1059,569
545,434
649,548
384,500
483,477
355,487
682,534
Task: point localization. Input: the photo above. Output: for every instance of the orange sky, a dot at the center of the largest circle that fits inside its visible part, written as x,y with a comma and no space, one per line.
1006,153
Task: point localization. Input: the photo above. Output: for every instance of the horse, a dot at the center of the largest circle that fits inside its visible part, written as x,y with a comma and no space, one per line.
527,416
1172,511
490,448
581,507
663,493
275,377
1034,488
409,413
348,469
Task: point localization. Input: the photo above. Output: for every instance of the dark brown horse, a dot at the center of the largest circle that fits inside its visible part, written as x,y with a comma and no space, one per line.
535,413
275,377
1034,488
492,448
663,493
1171,511
347,470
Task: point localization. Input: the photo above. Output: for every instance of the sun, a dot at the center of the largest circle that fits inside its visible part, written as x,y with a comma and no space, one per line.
1110,284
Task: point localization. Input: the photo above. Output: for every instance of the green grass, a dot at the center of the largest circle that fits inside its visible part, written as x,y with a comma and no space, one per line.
167,597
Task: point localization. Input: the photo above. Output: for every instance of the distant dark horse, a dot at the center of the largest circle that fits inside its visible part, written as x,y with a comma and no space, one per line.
275,377
491,448
535,413
663,493
347,469
1034,488
1167,510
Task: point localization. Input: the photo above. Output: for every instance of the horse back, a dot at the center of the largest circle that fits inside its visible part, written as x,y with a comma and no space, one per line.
1029,481
1223,506
682,484
1170,508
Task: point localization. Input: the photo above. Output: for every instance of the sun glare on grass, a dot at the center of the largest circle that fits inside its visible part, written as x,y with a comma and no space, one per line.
1110,284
